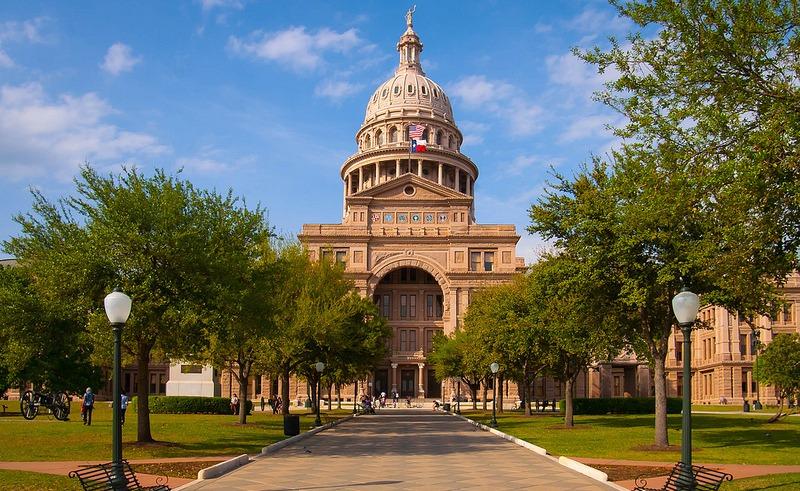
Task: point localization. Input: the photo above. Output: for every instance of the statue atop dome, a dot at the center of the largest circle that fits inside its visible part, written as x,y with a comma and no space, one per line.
410,16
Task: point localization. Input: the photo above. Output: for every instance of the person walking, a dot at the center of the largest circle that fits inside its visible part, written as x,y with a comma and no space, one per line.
235,404
278,405
123,405
263,404
87,406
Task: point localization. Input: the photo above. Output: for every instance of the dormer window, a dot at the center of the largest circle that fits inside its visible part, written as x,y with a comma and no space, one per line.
424,90
410,89
396,90
385,93
435,94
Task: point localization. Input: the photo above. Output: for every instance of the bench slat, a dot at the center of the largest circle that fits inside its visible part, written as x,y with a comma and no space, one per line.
699,479
99,478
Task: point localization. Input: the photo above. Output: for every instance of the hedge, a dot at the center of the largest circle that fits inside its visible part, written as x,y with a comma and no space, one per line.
191,405
620,405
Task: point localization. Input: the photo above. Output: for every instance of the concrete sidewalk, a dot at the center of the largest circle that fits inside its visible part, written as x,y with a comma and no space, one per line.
403,450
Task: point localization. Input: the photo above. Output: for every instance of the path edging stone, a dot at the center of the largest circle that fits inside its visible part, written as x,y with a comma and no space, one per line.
576,466
217,470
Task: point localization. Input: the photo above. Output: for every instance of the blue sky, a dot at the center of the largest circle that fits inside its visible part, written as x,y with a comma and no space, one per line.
265,97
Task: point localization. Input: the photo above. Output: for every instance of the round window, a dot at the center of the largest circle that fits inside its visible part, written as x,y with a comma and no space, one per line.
409,190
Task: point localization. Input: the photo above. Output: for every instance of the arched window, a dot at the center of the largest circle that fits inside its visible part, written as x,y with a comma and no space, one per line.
392,134
438,138
379,138
451,142
368,141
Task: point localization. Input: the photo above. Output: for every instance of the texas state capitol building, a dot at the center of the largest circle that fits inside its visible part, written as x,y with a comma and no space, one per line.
408,237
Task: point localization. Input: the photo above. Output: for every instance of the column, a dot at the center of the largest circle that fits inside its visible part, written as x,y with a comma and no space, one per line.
349,184
458,179
421,380
397,168
394,377
440,173
377,173
360,178
344,198
419,168
469,185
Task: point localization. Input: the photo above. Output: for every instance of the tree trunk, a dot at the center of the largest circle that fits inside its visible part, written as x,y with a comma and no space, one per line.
660,382
526,387
244,376
485,394
285,391
143,434
338,397
474,391
779,414
568,418
330,399
499,393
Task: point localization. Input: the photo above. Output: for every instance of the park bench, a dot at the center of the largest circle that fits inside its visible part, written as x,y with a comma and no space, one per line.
541,406
100,478
700,479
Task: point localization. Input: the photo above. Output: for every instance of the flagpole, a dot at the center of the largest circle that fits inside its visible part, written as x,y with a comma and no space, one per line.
408,168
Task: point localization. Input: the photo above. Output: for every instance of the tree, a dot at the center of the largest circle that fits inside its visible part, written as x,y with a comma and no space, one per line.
504,320
461,356
158,238
42,344
779,365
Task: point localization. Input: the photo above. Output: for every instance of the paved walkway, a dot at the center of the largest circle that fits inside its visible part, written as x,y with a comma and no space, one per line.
402,450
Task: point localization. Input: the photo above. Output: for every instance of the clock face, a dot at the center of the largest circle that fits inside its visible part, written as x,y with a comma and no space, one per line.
429,218
415,217
388,217
402,217
442,217
376,217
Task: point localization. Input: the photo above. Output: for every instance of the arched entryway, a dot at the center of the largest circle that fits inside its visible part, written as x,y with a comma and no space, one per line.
413,302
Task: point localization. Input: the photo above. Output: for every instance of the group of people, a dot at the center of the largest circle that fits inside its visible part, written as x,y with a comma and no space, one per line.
87,406
275,403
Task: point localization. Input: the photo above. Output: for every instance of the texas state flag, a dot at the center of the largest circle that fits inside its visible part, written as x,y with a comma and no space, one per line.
418,145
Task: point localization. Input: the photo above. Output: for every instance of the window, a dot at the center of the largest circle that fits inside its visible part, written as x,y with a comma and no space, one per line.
678,350
743,344
429,334
379,138
341,258
412,306
429,306
410,89
787,313
396,90
439,306
424,90
403,306
393,135
481,260
257,388
386,306
408,339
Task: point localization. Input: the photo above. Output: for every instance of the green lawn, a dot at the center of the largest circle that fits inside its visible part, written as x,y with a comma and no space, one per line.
732,439
774,482
179,435
34,481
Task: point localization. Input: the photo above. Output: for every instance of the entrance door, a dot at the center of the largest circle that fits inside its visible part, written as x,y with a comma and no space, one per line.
434,388
407,383
381,382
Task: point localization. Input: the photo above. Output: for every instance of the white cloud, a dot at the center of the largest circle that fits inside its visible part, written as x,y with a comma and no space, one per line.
336,90
5,60
473,132
501,99
533,247
207,5
203,165
26,31
294,47
589,126
119,58
541,28
593,20
44,137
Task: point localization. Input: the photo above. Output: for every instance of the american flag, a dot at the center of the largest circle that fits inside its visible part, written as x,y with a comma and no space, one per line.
415,131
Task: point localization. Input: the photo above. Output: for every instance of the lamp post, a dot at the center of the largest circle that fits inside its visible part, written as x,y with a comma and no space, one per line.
685,305
118,308
458,398
494,367
320,367
355,398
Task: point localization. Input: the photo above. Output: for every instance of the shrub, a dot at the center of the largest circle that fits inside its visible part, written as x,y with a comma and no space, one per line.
620,405
191,405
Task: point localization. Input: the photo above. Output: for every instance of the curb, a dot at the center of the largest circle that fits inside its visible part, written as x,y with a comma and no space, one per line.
217,470
302,436
576,466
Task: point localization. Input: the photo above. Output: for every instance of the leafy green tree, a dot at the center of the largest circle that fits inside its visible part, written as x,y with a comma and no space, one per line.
42,344
463,357
779,366
158,238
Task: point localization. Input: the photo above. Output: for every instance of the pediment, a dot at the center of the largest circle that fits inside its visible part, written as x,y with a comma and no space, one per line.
423,190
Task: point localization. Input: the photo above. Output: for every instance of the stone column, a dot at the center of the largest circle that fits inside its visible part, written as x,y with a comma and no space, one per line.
440,173
377,173
419,168
457,185
469,185
394,377
421,379
360,178
349,184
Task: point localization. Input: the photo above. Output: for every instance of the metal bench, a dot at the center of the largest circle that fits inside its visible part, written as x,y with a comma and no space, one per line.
100,477
697,478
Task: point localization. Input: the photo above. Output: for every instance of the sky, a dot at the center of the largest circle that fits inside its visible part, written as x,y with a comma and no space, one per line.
265,98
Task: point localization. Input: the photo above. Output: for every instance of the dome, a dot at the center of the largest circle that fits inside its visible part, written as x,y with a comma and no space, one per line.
409,91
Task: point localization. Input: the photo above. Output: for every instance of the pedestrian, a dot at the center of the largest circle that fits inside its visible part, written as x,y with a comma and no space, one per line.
263,404
235,404
395,398
87,406
123,405
278,405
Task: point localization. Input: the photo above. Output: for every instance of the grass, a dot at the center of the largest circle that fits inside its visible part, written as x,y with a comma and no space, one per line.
772,482
34,481
730,439
178,435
